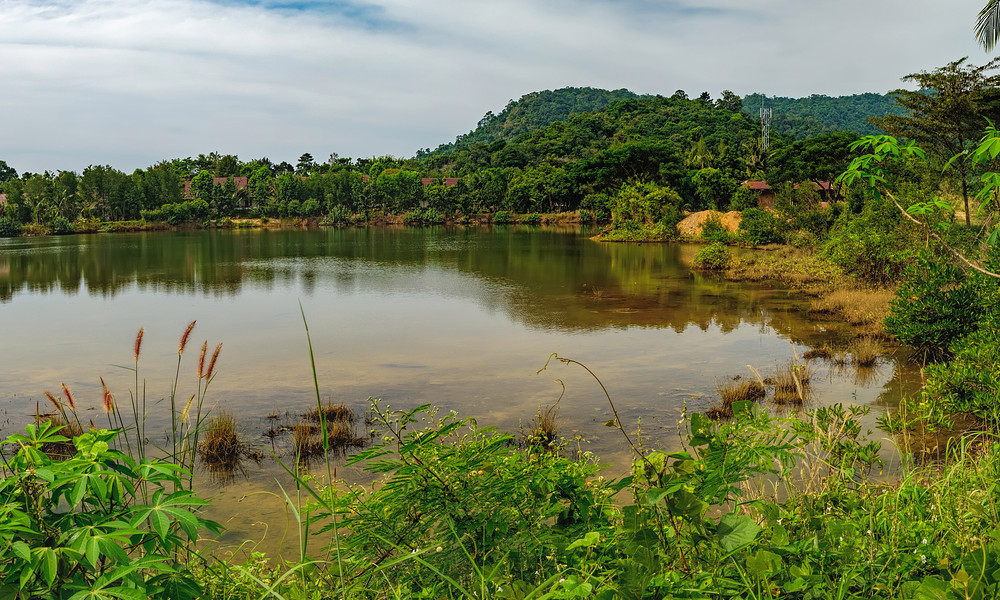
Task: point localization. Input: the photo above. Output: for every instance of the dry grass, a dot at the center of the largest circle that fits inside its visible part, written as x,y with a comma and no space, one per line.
821,352
859,307
222,448
791,383
331,413
307,436
736,391
60,450
866,352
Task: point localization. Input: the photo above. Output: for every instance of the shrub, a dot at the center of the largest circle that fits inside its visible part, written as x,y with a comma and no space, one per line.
60,226
532,219
714,256
95,525
759,227
502,217
9,228
713,230
338,215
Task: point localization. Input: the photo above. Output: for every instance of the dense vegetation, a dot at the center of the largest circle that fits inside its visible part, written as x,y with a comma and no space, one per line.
802,118
573,150
753,507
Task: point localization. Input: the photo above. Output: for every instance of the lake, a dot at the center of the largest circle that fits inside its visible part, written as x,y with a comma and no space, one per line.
462,318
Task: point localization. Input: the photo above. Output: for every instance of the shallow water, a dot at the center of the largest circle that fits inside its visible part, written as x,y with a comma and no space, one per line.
458,317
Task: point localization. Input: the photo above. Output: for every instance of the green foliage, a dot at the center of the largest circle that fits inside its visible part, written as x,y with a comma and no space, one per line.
532,219
802,118
79,527
457,501
713,257
8,227
712,230
184,212
873,246
759,227
502,217
743,198
935,305
338,215
60,226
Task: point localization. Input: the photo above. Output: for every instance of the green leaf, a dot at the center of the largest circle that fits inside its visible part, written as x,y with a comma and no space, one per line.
591,539
932,588
736,531
22,550
764,563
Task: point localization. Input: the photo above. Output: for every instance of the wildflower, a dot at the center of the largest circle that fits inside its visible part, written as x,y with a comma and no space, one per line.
481,472
779,521
923,541
923,559
438,549
562,579
869,532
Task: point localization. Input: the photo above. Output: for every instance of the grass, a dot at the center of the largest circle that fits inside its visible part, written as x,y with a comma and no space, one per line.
791,383
749,390
223,448
860,307
341,433
544,431
865,352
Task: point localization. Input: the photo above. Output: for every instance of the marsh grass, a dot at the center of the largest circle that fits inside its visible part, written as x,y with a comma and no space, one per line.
860,307
223,449
791,383
543,433
865,352
749,390
337,420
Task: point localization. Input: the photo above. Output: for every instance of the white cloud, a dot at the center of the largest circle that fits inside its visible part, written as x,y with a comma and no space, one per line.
129,83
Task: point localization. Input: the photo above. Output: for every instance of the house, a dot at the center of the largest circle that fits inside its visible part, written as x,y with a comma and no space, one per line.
765,193
241,182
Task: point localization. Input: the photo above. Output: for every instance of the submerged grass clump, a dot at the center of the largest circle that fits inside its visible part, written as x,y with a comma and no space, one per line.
791,383
341,433
865,352
749,390
543,434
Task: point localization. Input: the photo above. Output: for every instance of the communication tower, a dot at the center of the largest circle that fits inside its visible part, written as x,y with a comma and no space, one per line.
765,126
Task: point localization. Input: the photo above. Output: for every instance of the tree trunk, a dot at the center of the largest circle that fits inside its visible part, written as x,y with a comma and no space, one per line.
965,196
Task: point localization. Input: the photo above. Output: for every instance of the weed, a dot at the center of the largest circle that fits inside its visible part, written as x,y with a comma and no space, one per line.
791,383
736,391
865,352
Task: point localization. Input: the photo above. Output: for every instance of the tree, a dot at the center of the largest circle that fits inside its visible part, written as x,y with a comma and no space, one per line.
305,164
948,114
729,101
6,172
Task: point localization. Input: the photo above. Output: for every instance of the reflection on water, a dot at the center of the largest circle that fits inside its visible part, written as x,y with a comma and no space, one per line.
458,317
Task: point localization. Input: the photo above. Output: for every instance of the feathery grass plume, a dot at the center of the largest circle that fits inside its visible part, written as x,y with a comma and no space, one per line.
138,343
55,401
69,398
201,359
109,400
184,338
211,363
187,407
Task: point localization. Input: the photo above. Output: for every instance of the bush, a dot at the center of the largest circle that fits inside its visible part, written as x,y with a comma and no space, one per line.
532,219
338,215
95,525
502,217
759,227
8,228
743,198
713,257
873,246
936,304
60,226
713,231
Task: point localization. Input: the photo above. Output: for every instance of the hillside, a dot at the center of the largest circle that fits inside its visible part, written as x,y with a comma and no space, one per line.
532,111
802,118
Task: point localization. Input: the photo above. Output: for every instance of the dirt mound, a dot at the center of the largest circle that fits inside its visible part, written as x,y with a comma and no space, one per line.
692,224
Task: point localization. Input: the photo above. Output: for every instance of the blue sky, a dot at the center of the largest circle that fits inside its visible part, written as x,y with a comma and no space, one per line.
132,82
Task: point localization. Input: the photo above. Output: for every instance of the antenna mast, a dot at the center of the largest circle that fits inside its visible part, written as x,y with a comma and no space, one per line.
765,125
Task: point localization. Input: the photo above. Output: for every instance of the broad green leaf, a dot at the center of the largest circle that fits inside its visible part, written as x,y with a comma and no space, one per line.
591,539
736,531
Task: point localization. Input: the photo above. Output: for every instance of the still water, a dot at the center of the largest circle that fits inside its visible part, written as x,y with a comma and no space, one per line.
462,318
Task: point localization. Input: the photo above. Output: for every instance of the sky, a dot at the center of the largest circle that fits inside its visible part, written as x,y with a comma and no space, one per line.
129,83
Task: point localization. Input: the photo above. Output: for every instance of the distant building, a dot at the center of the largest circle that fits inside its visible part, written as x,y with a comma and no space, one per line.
241,182
765,193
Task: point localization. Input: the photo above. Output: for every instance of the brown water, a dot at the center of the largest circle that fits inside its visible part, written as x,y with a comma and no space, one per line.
461,318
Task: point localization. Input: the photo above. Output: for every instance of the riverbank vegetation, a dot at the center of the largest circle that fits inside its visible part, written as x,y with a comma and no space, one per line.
755,505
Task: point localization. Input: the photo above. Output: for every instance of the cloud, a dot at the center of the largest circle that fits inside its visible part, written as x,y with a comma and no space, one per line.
132,82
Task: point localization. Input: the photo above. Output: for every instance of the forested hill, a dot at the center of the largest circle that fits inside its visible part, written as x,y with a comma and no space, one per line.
533,111
802,118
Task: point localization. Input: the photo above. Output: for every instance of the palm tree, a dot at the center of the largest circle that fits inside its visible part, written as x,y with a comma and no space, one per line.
988,25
